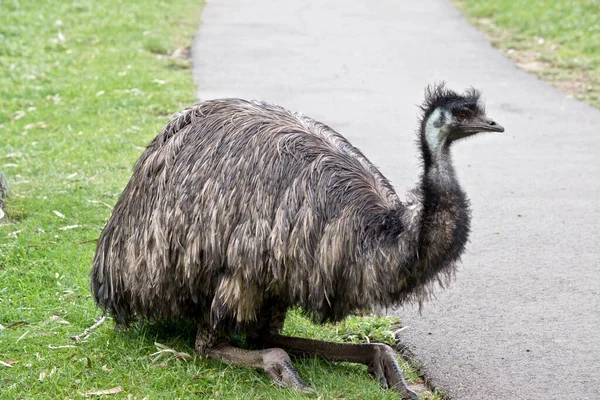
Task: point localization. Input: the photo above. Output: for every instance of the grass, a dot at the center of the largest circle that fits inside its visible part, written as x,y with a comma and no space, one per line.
86,84
559,40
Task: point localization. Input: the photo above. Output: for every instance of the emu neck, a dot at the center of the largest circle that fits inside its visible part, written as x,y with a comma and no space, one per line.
445,219
436,153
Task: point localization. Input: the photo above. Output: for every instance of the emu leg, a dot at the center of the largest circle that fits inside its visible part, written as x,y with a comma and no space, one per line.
275,362
380,358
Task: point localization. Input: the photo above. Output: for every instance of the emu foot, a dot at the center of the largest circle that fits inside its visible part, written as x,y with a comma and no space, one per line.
274,361
278,366
380,358
385,368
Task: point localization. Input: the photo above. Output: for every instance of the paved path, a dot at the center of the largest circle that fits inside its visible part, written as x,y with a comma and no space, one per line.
522,319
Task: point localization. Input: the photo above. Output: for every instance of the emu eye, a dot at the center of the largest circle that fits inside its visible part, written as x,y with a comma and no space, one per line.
462,116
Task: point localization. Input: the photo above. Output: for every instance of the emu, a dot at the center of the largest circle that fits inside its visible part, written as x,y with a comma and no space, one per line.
239,210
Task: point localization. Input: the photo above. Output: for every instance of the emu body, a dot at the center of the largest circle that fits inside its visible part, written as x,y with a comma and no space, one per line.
240,210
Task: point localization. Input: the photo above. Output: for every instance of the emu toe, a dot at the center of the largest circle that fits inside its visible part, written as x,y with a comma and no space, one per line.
385,368
274,361
278,366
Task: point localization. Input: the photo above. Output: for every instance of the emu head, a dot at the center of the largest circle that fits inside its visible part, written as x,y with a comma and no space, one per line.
449,116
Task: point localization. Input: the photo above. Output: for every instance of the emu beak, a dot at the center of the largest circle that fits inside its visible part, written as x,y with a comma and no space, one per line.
483,124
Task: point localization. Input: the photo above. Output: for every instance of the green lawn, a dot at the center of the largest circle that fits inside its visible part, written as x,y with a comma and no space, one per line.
85,85
559,40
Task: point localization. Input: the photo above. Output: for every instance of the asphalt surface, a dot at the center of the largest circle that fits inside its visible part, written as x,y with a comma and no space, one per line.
522,318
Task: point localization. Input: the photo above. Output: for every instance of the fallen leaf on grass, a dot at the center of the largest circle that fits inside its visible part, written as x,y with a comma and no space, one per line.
40,124
168,352
15,233
57,319
114,390
105,368
60,38
8,363
44,374
134,91
18,115
55,99
66,228
58,214
18,323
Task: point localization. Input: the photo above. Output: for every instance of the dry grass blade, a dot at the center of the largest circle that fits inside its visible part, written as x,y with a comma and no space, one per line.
114,390
58,214
44,374
397,331
55,318
166,351
100,202
66,228
22,336
89,330
15,233
88,241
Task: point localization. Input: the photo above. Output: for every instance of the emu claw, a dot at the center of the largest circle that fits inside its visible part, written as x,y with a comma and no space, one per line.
385,368
278,366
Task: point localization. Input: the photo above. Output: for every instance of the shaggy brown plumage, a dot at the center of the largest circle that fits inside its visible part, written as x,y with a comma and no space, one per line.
240,209
3,189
